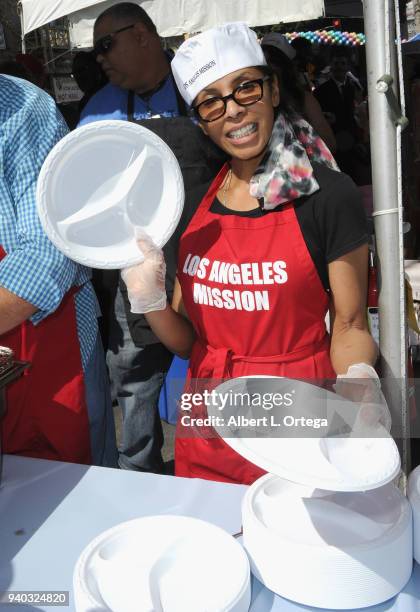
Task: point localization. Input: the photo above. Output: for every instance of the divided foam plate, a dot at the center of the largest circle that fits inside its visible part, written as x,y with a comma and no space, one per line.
102,181
155,563
335,464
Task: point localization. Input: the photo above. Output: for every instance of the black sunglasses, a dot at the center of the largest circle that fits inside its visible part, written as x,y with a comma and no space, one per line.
245,94
104,44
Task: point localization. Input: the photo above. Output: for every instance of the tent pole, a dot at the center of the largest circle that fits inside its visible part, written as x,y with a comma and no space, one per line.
380,56
22,29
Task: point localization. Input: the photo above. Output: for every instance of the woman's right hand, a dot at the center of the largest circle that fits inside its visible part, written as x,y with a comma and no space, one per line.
145,281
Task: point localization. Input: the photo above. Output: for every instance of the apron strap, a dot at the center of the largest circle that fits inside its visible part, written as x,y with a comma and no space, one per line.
182,108
130,106
224,357
208,199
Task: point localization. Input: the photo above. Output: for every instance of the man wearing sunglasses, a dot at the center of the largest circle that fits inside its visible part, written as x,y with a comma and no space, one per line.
129,51
141,89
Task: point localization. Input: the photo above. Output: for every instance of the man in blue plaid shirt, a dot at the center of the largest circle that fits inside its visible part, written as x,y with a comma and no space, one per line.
61,408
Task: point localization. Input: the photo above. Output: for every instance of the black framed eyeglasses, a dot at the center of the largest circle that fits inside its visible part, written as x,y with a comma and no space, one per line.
103,45
245,94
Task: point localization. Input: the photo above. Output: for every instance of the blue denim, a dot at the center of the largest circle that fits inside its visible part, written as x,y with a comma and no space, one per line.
137,375
101,417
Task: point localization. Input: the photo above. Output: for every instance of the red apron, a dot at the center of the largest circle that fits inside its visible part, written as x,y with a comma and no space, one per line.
263,315
47,415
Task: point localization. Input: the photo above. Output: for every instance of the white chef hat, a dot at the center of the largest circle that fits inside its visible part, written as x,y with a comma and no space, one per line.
213,54
280,42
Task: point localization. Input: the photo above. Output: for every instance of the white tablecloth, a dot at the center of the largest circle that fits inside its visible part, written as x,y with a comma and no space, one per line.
49,511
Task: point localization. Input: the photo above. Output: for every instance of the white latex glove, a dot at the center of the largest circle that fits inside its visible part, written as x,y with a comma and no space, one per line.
361,384
146,280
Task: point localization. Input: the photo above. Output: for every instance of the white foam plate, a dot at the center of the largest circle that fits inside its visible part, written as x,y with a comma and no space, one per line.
102,181
156,563
328,549
335,464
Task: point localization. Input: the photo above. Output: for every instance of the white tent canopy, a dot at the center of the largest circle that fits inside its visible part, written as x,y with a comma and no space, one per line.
172,17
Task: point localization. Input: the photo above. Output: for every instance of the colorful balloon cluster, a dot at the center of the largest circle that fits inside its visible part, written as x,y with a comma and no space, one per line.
330,37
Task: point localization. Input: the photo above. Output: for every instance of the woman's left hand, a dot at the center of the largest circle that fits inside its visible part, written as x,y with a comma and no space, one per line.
361,384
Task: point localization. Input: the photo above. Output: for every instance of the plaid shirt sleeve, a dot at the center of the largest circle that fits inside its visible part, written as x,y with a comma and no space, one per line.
33,268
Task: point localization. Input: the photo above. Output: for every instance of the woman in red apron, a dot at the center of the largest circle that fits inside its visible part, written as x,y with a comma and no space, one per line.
249,299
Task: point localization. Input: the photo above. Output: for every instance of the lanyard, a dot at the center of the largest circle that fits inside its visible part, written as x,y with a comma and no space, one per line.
182,109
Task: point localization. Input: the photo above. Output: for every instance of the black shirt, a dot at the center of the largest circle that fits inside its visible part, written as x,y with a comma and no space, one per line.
332,220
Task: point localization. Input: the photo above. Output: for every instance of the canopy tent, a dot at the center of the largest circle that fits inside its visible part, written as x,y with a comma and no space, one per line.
184,16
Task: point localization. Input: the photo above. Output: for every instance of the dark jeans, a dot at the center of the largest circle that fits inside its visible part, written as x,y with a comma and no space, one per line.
101,418
137,375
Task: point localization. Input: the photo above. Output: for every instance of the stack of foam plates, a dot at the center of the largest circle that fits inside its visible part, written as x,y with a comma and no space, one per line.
414,497
328,549
163,564
326,527
100,183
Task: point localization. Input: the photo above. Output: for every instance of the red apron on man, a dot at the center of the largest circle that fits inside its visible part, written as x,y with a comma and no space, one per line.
264,317
47,415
